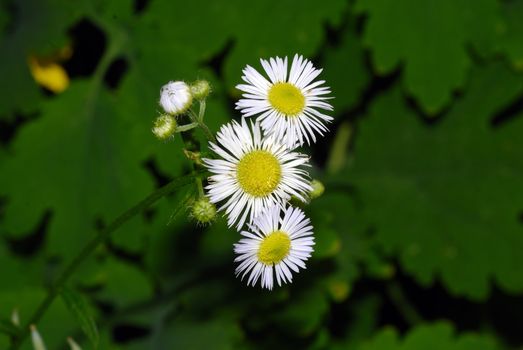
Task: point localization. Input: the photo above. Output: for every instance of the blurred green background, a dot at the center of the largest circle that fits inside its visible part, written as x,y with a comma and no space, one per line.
420,230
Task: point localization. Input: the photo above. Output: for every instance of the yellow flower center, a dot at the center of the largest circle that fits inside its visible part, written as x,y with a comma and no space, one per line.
258,173
274,248
286,98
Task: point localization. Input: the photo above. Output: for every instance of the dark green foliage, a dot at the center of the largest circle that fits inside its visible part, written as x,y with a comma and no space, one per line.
422,172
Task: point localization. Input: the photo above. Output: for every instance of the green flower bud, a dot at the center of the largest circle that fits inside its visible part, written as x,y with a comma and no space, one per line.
200,89
203,211
317,189
164,127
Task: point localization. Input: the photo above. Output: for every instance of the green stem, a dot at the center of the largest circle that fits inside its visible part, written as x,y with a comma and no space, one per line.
186,127
202,110
401,302
338,153
199,119
183,203
93,244
199,184
207,132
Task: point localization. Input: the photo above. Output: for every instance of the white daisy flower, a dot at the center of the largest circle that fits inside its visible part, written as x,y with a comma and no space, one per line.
287,105
254,172
175,97
274,246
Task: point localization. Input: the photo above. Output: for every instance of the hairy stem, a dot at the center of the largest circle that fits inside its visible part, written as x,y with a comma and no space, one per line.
93,244
199,184
199,119
187,127
207,132
201,113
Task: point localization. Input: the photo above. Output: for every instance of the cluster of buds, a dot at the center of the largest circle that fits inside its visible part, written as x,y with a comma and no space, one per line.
176,99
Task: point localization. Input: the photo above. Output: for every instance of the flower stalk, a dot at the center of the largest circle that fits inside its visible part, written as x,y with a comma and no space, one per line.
198,119
91,246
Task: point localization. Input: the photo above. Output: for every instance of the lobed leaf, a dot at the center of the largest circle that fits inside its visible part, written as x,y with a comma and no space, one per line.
431,336
430,40
447,198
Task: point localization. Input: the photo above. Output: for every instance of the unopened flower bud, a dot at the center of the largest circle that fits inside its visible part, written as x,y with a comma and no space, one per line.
175,97
72,344
203,211
317,189
200,89
38,342
164,126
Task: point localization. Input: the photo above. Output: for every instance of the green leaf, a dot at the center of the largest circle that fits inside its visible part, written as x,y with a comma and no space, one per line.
364,320
19,272
122,285
347,84
430,40
511,39
335,213
303,313
432,336
387,339
327,243
87,164
218,333
295,29
78,306
446,198
113,275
